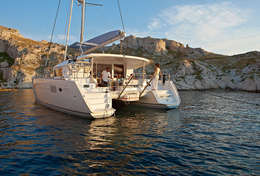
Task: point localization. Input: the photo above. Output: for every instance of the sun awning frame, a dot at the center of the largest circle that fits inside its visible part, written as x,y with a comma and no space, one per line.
98,42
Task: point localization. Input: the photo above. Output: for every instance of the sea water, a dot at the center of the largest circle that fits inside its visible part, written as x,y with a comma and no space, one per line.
206,135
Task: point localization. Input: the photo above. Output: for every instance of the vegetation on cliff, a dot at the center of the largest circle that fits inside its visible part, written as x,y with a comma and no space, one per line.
190,68
4,57
195,68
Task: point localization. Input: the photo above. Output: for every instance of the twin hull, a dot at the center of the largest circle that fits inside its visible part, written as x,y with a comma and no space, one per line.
72,97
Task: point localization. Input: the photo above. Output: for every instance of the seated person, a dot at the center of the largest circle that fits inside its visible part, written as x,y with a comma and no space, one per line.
120,80
105,77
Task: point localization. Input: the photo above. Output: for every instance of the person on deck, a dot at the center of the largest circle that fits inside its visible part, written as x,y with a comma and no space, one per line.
156,76
164,78
105,77
120,80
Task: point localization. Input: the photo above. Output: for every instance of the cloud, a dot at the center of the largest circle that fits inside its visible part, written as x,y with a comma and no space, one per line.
138,32
203,25
206,21
236,45
155,24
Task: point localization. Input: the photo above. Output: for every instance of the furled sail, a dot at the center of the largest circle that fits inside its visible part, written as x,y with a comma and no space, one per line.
99,41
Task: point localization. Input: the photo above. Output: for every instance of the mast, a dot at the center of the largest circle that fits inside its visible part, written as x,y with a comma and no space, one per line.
83,11
68,31
83,4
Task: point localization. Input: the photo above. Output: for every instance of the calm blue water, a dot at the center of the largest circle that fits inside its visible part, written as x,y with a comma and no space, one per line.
207,135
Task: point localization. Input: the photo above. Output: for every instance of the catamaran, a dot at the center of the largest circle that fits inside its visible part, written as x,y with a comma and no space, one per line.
76,85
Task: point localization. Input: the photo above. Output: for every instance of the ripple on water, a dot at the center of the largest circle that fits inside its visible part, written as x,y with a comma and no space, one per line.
205,136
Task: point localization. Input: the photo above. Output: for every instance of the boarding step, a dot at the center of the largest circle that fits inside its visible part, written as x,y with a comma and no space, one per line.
165,97
95,95
103,113
100,106
130,96
164,93
97,101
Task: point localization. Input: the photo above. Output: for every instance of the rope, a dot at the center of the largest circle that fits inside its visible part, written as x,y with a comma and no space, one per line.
54,24
66,25
123,26
52,33
219,96
68,30
121,16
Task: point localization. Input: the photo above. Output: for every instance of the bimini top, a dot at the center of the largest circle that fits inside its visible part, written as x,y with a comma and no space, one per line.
131,61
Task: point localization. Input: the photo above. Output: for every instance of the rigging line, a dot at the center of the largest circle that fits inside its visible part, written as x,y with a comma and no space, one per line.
85,16
121,16
68,30
66,25
123,26
54,24
227,98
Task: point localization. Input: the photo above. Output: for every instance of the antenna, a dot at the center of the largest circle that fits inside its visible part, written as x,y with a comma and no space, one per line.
89,3
94,4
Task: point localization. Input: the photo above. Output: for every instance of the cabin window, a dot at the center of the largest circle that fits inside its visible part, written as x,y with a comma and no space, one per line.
53,89
101,67
98,69
119,71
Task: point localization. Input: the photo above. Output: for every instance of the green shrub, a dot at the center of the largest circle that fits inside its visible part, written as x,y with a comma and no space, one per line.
5,57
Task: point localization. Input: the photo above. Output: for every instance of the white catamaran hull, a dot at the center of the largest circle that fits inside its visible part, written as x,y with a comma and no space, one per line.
166,97
67,96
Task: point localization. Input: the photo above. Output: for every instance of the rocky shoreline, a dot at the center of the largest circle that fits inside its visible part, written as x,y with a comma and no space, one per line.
190,68
195,68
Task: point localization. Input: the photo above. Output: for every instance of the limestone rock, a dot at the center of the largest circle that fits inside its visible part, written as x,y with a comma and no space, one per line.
173,45
4,64
149,44
189,68
27,55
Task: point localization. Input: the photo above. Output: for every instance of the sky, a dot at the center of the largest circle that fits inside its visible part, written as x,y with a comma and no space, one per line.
220,26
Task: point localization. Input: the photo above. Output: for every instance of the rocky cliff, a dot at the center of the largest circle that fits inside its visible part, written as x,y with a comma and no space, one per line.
159,47
235,72
190,68
195,68
28,56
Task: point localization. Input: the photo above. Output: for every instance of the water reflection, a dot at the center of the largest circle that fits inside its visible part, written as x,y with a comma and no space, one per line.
100,133
204,136
174,119
140,120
